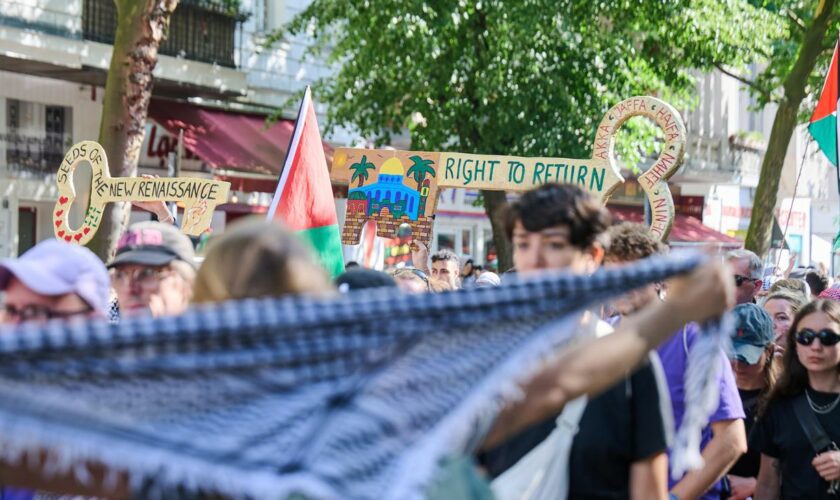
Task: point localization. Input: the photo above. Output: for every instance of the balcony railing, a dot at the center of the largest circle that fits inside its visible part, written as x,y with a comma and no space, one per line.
721,160
200,30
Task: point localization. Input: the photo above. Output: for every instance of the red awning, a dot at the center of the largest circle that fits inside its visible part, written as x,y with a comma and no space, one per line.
242,208
229,140
247,184
686,229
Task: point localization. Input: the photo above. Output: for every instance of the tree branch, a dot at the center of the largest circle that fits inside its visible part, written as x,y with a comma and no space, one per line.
795,20
746,81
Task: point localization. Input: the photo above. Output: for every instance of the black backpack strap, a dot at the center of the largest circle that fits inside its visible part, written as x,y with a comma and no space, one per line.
809,423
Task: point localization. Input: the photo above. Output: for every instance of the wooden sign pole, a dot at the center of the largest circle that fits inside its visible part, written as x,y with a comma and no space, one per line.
199,196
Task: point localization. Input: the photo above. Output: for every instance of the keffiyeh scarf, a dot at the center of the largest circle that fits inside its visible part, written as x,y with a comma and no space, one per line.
356,396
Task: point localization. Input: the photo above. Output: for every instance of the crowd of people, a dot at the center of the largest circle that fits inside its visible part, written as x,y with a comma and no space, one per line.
596,419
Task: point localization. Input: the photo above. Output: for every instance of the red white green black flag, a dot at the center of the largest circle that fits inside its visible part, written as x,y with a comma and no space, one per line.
823,126
304,200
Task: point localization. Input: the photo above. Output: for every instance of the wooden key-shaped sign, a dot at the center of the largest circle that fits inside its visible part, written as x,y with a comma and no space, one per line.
199,196
397,187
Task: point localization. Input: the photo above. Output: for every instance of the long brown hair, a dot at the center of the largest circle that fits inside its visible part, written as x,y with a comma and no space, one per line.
254,258
794,378
770,374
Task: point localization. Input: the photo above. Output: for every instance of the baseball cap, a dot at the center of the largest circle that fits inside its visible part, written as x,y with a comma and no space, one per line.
54,267
753,333
360,277
153,243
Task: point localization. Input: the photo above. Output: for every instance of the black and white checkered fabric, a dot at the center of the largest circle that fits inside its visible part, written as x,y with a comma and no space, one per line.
357,396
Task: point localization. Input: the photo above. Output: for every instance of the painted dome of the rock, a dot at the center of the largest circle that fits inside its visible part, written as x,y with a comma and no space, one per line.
392,166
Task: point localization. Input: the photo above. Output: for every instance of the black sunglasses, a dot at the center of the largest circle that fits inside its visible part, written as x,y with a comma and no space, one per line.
827,337
740,280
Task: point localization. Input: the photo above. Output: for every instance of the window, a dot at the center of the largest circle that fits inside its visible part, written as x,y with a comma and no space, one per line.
273,14
446,240
466,242
200,30
489,250
795,244
26,229
37,136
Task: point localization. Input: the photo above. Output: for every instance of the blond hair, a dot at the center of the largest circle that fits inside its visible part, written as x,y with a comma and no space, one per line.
255,258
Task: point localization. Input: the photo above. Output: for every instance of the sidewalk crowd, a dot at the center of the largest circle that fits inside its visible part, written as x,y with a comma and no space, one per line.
595,420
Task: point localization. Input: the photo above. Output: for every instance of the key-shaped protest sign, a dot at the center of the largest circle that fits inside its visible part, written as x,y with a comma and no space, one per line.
397,187
199,196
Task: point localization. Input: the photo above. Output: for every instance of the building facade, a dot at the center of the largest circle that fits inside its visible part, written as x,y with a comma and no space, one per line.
215,66
727,142
54,58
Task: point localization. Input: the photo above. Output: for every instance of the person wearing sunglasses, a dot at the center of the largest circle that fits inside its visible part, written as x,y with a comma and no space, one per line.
798,430
53,280
747,271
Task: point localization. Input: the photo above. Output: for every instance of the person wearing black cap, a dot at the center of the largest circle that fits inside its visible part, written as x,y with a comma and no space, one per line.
755,374
153,270
360,278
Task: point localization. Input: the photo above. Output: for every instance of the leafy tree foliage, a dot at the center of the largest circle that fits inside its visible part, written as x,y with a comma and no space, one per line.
519,77
795,67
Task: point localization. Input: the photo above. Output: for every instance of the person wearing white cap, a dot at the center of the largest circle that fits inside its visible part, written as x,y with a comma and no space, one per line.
53,280
487,279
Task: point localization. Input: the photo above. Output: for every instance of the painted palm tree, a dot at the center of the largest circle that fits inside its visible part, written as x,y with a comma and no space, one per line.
360,170
419,169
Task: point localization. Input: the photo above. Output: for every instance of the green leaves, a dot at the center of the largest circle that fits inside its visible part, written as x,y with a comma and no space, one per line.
529,77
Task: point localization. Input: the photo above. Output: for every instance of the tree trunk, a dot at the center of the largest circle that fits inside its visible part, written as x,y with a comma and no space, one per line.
141,27
764,204
494,204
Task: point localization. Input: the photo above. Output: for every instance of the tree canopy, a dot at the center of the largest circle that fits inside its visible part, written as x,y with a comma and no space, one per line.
794,69
779,57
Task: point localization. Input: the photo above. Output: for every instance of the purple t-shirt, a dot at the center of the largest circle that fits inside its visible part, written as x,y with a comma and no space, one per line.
16,494
674,356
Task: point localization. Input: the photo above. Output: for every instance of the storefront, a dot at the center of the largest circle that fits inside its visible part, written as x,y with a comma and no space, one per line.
461,225
39,119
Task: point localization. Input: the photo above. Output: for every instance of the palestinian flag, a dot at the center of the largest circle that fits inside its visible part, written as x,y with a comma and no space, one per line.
823,126
303,200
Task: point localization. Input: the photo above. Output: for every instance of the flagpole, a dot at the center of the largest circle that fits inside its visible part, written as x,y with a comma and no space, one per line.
792,201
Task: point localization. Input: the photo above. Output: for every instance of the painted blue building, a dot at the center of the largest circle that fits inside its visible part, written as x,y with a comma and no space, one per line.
389,190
